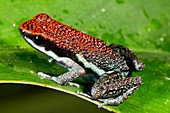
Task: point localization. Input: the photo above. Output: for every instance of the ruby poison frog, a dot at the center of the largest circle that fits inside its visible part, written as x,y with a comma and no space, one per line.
82,53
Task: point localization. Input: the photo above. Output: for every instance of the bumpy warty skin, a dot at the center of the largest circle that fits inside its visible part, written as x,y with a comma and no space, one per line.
68,42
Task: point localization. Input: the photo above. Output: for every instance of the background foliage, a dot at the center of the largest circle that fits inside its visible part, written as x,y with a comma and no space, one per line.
143,26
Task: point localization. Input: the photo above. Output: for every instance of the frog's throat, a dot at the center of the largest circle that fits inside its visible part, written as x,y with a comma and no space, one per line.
42,49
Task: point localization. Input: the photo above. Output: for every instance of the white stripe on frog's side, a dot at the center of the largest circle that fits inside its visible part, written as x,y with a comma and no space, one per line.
42,49
87,64
50,53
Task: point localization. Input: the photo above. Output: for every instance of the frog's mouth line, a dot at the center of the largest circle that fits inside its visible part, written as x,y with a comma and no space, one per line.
27,37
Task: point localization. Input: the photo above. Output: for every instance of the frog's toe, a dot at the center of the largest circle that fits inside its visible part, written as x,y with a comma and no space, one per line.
111,101
101,105
50,60
43,75
139,65
84,94
73,84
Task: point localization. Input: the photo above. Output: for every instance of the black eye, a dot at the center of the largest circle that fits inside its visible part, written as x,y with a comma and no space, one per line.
38,40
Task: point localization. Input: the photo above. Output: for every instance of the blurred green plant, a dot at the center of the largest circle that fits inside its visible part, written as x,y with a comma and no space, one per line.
143,26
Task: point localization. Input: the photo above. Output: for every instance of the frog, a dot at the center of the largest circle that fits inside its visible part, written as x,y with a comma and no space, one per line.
112,65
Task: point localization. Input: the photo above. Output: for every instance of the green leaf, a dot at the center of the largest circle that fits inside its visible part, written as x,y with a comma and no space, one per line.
142,26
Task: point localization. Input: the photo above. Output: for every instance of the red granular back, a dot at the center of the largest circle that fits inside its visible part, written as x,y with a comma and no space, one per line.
71,40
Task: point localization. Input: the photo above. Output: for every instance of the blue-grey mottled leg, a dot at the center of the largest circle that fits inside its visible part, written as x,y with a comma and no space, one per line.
113,92
112,75
75,70
118,100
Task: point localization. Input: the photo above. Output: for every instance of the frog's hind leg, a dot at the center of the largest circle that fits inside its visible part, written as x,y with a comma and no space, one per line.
118,100
75,70
114,92
130,57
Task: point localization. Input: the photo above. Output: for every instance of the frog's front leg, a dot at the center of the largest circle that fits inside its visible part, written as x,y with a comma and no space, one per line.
75,70
113,92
